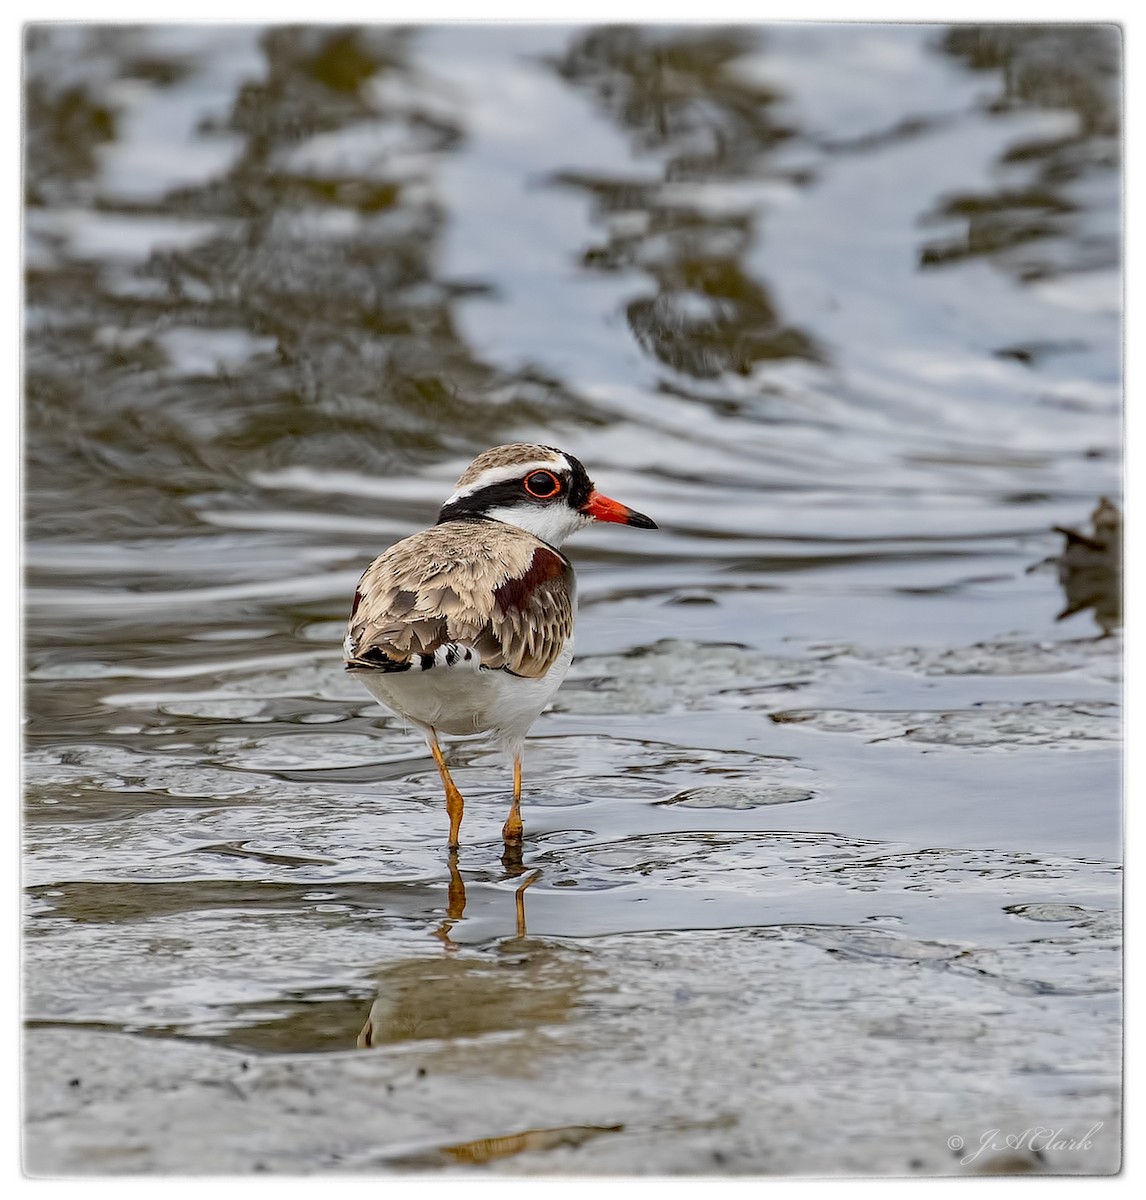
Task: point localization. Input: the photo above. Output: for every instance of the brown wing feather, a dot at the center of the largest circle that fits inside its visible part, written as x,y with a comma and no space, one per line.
492,587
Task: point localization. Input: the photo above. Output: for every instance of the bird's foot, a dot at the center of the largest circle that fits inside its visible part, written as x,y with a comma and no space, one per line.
514,828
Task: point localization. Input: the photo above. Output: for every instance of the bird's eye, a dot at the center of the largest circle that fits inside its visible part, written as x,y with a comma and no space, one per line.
542,484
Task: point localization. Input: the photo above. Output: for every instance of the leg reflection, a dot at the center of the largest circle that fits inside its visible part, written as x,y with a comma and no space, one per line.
519,898
455,901
512,858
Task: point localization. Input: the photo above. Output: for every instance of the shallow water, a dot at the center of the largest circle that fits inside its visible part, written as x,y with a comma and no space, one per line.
839,306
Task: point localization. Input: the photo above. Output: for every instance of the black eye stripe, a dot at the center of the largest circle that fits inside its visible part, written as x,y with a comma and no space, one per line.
509,492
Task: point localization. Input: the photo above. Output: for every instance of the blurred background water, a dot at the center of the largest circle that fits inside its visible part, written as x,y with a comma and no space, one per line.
839,306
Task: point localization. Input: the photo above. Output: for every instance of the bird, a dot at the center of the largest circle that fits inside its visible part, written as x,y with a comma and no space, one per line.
467,627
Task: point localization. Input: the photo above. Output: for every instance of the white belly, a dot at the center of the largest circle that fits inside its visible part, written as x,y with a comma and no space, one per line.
466,699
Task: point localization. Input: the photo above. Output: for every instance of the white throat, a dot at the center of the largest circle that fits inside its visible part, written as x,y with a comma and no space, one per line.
552,523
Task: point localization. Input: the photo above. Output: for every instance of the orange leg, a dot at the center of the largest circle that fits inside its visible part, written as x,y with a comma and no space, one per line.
454,802
512,830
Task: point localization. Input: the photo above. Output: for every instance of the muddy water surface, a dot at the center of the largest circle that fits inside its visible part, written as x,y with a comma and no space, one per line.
824,827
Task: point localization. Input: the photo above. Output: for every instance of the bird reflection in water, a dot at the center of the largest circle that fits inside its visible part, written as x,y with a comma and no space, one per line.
484,1150
464,997
1090,568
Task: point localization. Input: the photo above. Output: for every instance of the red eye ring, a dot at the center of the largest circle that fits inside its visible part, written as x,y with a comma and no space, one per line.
542,484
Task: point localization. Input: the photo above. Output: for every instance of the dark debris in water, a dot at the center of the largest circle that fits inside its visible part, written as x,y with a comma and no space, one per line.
1090,568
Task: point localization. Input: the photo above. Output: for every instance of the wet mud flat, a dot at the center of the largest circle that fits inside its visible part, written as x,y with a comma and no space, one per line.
731,1051
700,979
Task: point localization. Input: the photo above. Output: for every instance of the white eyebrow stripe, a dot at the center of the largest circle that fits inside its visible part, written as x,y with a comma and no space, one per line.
494,475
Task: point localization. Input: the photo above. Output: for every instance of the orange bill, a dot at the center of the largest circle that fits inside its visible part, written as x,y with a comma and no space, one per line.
601,508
